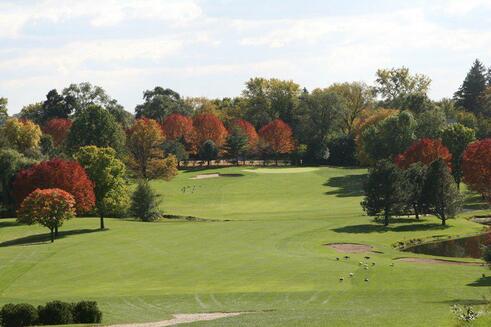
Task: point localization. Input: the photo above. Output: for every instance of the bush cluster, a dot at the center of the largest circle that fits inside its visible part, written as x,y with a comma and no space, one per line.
52,313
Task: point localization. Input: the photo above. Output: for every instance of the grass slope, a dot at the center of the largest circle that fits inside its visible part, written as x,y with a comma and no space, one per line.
264,255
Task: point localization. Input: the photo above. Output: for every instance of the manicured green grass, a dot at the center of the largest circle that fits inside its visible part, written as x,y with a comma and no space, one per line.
263,253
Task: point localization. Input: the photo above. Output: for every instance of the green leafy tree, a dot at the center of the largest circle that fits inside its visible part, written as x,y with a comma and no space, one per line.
3,110
389,137
33,112
108,174
11,162
415,177
22,135
96,126
384,191
440,193
208,151
237,142
56,106
159,103
430,124
84,95
357,96
144,202
396,83
469,93
456,137
176,148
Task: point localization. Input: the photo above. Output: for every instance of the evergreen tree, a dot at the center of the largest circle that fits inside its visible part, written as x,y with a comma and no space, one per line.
144,203
384,191
237,142
415,176
442,198
208,151
469,92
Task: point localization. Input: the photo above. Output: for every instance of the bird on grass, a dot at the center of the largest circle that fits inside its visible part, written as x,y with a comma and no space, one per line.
337,258
346,257
341,279
392,264
373,263
351,274
366,279
367,258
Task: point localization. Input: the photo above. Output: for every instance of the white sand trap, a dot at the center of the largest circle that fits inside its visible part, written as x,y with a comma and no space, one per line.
183,319
439,261
205,176
281,170
350,247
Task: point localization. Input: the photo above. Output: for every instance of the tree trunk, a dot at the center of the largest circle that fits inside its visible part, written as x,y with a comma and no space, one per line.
56,231
52,235
276,162
102,222
416,212
386,217
209,163
444,219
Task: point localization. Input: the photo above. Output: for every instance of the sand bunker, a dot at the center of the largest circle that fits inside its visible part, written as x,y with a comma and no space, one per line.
182,319
439,261
281,170
205,176
350,247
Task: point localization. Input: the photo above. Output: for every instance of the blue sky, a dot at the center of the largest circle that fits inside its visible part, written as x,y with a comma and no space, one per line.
211,47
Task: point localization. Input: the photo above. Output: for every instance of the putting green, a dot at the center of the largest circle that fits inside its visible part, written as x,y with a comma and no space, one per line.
261,252
281,170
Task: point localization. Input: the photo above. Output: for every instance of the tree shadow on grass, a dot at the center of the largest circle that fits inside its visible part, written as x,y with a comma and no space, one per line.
465,302
346,186
483,281
45,237
372,228
8,223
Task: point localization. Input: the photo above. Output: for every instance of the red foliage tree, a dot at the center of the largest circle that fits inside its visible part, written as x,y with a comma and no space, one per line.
476,166
209,127
425,151
58,128
177,126
249,130
69,176
277,137
48,207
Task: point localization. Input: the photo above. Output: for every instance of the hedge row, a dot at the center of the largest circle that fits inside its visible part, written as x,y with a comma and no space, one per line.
53,313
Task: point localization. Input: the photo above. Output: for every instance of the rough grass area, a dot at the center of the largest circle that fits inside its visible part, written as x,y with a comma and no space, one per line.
261,251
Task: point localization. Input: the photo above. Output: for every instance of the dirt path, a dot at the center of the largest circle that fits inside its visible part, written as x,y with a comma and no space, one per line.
439,261
182,318
350,247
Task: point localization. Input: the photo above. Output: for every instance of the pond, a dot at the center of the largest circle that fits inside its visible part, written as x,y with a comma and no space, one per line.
466,247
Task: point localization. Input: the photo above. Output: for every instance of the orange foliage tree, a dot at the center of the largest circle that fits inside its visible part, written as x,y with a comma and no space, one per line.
58,128
209,127
177,126
69,176
425,151
476,167
48,207
249,130
277,138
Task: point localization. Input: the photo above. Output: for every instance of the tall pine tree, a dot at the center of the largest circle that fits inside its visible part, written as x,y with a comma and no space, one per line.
471,89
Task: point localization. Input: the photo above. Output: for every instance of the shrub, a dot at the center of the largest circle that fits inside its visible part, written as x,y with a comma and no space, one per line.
487,255
56,313
18,315
86,312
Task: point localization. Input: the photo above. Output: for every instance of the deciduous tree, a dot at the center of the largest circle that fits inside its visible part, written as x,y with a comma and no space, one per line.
69,176
393,84
425,151
22,135
209,127
47,207
415,177
476,167
237,142
277,135
108,174
96,126
3,110
159,103
456,137
58,128
249,130
145,139
178,127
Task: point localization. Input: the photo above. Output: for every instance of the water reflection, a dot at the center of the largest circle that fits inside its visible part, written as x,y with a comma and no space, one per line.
467,247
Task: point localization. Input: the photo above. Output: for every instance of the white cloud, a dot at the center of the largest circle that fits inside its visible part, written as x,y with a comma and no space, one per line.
15,15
